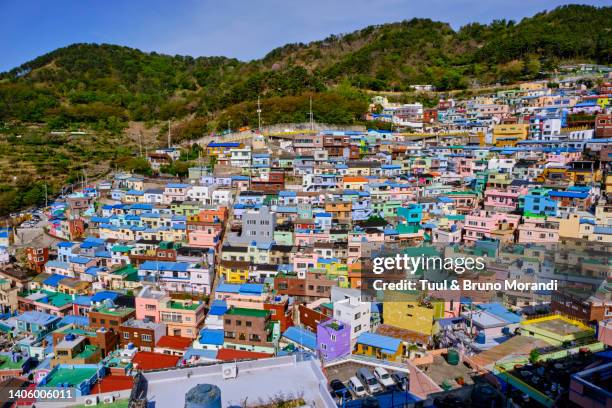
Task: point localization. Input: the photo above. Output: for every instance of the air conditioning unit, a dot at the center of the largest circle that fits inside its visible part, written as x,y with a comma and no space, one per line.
91,401
229,371
108,399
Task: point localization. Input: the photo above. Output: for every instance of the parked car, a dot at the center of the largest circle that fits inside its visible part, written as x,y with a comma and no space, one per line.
339,390
357,387
383,377
401,380
369,380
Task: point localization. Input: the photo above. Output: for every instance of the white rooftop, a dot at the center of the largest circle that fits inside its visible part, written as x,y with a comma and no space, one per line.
257,382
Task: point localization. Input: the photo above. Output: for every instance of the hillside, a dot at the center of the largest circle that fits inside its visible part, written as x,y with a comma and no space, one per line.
109,84
104,88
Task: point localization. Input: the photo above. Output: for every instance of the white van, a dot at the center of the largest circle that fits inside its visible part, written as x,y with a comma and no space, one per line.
383,377
357,387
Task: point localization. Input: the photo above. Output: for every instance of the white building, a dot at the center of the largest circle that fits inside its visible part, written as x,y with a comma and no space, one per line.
354,312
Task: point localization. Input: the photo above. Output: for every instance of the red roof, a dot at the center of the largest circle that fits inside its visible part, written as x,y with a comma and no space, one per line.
174,342
154,361
229,354
113,383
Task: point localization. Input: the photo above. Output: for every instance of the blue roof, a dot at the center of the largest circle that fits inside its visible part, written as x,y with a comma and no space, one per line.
58,264
218,308
53,280
228,288
603,230
93,270
500,311
212,336
252,288
389,345
301,336
568,194
103,295
65,244
35,317
178,185
165,266
82,300
224,144
207,354
72,319
80,260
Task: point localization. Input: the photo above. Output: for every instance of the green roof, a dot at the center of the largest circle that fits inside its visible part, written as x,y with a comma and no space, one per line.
121,248
118,311
126,270
173,304
71,376
241,311
7,364
87,352
77,331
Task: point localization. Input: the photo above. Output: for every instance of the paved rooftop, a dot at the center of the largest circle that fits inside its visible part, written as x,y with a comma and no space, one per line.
258,381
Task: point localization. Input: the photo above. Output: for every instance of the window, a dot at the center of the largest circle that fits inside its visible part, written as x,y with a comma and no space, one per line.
126,335
333,337
323,346
146,338
357,328
249,324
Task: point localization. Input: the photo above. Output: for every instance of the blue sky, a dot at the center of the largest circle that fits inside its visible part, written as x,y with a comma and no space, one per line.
244,29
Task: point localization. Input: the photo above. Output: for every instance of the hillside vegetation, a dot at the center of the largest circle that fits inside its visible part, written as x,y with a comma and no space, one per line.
109,85
102,88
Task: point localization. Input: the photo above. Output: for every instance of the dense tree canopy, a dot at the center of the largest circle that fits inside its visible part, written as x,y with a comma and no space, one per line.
89,83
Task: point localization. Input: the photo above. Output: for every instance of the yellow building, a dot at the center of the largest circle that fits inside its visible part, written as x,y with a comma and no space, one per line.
234,271
556,329
411,311
508,134
380,347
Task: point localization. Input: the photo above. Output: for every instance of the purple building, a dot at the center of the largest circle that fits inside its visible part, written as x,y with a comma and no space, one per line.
333,339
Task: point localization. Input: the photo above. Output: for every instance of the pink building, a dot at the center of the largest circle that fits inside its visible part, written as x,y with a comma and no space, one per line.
249,296
203,234
307,238
303,260
503,200
147,304
538,231
480,224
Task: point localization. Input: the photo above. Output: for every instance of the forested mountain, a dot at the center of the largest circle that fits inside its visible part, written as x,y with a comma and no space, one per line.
107,85
104,88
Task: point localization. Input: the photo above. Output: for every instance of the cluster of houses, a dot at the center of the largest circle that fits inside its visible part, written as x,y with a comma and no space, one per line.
270,252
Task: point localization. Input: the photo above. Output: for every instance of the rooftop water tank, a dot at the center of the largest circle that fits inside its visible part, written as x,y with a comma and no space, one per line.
203,396
452,357
481,338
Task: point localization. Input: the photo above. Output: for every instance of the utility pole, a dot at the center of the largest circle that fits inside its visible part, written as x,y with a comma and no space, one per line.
140,142
169,136
258,115
311,115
